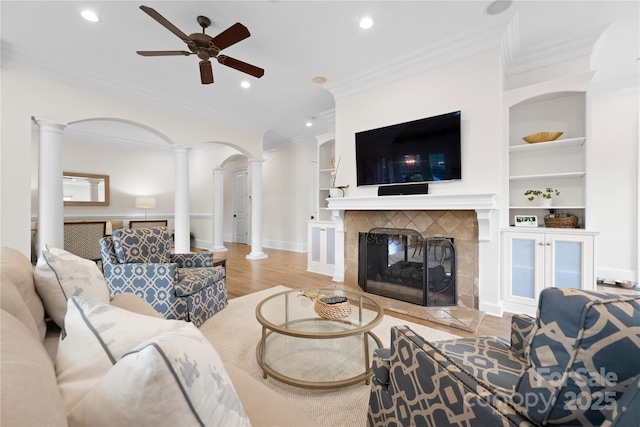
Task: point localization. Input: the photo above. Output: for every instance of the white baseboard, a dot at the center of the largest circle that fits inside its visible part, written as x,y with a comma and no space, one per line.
285,246
491,309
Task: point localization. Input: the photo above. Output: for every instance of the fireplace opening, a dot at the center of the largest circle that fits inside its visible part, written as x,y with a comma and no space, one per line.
403,265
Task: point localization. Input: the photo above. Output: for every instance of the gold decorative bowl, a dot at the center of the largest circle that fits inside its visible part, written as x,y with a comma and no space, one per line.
542,137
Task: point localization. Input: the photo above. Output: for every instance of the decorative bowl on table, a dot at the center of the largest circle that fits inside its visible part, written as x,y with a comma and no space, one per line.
542,137
332,307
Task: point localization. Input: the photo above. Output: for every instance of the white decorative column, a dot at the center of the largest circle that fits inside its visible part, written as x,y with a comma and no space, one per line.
218,210
256,209
50,202
181,218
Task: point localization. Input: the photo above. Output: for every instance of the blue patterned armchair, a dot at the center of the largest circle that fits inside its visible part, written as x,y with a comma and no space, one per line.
180,286
576,364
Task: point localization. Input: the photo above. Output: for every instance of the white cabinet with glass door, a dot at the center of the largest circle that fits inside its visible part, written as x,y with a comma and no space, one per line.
540,258
321,254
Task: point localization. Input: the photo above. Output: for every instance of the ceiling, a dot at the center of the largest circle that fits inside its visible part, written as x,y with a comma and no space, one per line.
295,41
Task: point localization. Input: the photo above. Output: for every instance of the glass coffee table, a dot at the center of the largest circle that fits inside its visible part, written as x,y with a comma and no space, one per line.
299,347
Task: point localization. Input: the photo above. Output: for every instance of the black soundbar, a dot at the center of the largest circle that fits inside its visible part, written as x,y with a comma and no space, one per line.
403,189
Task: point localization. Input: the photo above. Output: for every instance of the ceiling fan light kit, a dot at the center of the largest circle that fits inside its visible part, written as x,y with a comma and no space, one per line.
205,46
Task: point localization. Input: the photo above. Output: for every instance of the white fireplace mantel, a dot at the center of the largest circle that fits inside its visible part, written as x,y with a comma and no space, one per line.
483,204
486,207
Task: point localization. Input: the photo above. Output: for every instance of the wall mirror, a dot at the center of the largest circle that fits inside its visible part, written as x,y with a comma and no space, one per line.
85,189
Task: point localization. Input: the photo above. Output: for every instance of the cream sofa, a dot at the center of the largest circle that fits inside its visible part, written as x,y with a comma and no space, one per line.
30,394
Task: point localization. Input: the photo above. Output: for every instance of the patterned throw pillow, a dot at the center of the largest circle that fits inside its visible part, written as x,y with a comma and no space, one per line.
60,275
117,367
142,245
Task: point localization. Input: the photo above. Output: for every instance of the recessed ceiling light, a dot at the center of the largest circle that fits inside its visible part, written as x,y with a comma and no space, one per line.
366,23
245,84
319,80
498,6
308,124
90,15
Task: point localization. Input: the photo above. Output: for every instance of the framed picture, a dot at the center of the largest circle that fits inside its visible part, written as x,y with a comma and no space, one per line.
526,221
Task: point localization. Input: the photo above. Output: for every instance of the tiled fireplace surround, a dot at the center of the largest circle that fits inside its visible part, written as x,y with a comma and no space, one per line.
460,222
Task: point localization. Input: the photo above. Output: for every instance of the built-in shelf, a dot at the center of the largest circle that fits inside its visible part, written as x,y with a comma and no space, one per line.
558,143
546,207
548,175
326,169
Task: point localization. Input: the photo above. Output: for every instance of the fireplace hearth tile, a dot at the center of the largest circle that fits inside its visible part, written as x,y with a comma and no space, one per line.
466,319
449,222
400,220
422,222
438,313
436,231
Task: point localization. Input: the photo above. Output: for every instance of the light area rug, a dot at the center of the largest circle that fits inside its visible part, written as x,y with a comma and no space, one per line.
235,332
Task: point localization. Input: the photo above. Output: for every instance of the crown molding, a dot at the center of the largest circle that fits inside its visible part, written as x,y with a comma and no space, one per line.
289,143
433,55
517,60
32,64
330,117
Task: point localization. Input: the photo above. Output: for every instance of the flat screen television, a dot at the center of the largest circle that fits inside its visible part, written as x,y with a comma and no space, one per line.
424,150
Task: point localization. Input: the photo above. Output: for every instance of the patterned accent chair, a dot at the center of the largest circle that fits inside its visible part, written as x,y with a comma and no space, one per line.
576,364
82,238
180,286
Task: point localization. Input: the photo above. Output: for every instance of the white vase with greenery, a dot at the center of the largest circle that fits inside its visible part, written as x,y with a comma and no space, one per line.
543,197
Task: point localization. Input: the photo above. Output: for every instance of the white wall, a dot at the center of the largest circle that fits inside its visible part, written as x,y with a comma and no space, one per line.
284,178
139,172
284,196
132,173
25,96
473,85
202,161
614,135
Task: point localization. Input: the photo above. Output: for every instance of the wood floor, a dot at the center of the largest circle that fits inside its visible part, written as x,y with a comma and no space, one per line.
290,269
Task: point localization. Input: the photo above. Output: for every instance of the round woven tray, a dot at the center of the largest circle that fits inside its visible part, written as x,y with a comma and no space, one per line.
564,221
332,311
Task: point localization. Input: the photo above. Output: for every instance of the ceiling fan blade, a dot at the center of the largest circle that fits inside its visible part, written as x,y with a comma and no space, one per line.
165,23
230,36
241,66
163,52
206,72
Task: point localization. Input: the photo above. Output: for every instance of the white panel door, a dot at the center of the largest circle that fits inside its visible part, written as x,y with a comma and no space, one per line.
240,206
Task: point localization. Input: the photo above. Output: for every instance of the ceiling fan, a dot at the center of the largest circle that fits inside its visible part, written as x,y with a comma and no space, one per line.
205,46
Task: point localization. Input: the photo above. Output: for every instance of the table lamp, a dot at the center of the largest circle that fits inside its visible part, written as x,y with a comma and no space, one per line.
145,203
